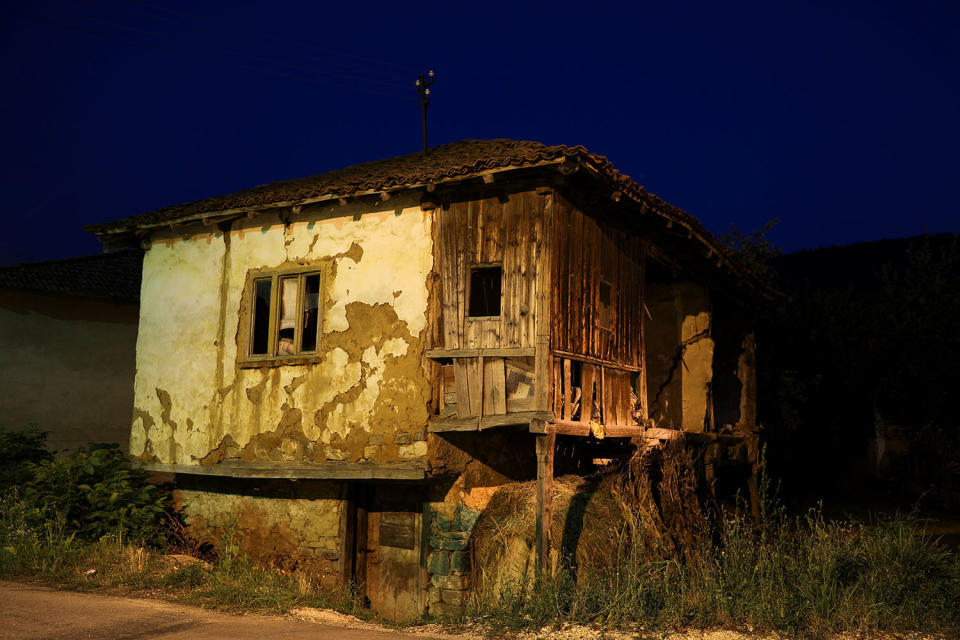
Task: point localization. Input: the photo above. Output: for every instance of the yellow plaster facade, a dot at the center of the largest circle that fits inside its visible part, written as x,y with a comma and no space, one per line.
365,396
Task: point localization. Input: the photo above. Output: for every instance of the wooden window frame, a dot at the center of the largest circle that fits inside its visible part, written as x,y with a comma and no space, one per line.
469,289
272,358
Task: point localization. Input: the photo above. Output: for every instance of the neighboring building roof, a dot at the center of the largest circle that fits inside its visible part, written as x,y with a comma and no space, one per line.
114,275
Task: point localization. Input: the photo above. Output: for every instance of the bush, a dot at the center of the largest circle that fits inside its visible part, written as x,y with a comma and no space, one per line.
18,450
97,491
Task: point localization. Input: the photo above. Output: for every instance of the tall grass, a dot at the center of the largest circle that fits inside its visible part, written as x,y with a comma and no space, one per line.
46,551
802,576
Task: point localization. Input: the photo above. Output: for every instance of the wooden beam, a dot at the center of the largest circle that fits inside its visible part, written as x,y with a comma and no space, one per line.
609,364
475,423
487,352
511,419
663,434
298,470
571,428
545,447
443,425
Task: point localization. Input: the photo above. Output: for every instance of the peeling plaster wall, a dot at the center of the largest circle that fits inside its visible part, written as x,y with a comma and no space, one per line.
679,355
697,373
365,399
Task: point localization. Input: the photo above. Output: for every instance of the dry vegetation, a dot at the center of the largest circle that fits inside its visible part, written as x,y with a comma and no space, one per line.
638,547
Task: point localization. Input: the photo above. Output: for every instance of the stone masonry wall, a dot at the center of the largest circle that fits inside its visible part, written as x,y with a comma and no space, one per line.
449,561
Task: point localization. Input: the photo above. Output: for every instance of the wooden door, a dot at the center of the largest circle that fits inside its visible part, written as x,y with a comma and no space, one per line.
388,550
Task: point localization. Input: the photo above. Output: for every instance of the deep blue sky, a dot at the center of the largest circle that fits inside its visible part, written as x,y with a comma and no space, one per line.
840,118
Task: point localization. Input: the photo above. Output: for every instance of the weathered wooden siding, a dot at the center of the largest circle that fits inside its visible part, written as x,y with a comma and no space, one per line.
550,248
586,252
509,231
506,231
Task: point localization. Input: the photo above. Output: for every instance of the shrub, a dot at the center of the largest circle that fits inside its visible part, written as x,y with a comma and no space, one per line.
97,491
19,449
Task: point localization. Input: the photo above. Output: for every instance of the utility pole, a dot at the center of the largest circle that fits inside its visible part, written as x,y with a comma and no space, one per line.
423,88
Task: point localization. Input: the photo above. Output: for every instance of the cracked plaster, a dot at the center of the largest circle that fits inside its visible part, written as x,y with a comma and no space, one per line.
190,394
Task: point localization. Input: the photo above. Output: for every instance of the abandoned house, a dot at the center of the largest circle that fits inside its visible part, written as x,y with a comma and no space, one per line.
345,367
68,337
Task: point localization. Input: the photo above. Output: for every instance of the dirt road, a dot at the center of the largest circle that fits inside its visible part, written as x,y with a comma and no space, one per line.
28,612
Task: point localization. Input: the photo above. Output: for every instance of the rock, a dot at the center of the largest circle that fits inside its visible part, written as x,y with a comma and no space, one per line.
180,560
439,524
451,582
460,561
453,597
439,563
328,617
452,541
465,519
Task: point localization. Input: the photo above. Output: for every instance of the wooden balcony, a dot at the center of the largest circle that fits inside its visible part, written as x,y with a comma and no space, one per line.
497,387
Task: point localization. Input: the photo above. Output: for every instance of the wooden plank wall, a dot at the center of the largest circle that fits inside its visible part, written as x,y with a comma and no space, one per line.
491,231
587,251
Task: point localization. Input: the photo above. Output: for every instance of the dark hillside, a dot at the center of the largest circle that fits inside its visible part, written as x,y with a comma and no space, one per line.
859,372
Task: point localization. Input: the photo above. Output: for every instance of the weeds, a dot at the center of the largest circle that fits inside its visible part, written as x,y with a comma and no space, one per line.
96,491
53,555
799,576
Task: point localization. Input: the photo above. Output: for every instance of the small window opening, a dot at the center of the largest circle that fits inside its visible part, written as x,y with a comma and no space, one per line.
261,317
485,284
605,306
311,309
285,314
288,316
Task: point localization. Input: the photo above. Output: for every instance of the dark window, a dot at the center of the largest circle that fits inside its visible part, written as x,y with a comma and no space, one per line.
605,306
285,319
311,307
485,291
260,342
288,316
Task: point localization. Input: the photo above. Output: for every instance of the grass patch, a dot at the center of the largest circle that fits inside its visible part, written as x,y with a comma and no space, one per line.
50,554
799,576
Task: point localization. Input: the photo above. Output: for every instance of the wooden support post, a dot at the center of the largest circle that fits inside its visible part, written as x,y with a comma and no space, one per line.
546,444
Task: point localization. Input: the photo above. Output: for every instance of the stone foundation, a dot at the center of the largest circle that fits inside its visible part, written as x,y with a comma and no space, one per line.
280,523
449,562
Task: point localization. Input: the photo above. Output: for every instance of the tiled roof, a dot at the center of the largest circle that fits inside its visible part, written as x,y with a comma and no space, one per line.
114,275
457,159
444,162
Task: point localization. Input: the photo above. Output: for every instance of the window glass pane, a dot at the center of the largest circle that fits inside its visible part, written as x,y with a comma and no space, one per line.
311,306
260,338
485,291
288,316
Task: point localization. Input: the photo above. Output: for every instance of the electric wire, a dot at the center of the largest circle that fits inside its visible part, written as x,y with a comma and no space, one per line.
266,36
290,70
257,59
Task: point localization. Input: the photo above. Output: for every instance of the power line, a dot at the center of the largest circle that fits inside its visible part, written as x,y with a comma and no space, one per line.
283,73
265,36
277,63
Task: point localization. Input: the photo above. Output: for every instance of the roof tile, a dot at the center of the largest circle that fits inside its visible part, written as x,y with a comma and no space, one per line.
114,275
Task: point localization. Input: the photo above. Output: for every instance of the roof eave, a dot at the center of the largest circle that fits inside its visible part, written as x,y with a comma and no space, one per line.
209,217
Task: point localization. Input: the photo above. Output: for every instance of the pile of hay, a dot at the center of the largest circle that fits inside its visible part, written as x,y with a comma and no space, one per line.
649,505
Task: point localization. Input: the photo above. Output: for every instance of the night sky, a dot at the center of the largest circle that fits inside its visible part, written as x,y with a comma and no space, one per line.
841,119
